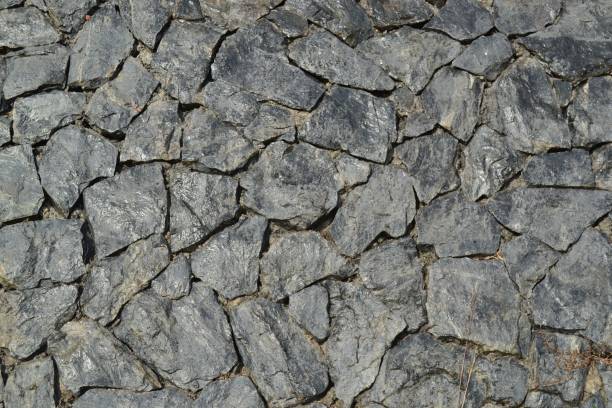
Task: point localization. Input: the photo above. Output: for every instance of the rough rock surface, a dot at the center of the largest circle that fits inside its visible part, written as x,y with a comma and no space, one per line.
591,112
390,13
175,281
25,27
462,19
234,392
567,169
20,192
486,56
602,166
166,398
32,384
309,308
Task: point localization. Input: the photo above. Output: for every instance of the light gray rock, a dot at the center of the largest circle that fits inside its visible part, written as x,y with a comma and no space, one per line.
284,365
187,10
72,159
164,398
20,192
416,119
289,23
67,15
296,183
25,27
486,56
602,166
232,14
564,91
199,204
188,341
272,122
233,392
522,16
352,171
9,3
393,13
175,281
88,355
127,207
113,281
230,103
308,308
359,220
506,380
229,261
411,55
591,112
31,385
567,169
5,129
555,216
297,259
146,18
537,399
473,300
462,19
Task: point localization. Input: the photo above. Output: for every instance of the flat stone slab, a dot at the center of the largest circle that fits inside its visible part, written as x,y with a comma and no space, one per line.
32,384
25,27
20,192
522,17
392,13
309,308
486,56
566,169
462,19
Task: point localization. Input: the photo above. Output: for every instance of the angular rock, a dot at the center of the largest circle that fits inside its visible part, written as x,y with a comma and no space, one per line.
308,308
555,216
113,281
5,130
506,380
229,261
127,207
576,294
29,317
353,121
473,300
175,281
199,204
164,398
87,355
521,17
462,19
296,183
72,159
229,102
602,166
182,60
214,144
591,112
31,385
154,135
289,23
568,169
99,48
430,161
187,10
232,14
297,259
284,365
234,392
486,56
25,27
393,13
411,55
457,227
260,51
272,122
20,192
188,340
68,15
537,399
145,18
564,91
352,171
416,118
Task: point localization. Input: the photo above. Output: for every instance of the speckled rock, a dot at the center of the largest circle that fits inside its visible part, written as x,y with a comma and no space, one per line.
25,27
602,166
175,281
309,308
591,112
392,13
462,19
485,56
521,17
20,192
31,385
567,169
165,398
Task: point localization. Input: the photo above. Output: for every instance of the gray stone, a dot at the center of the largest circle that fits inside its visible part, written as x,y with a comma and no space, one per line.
362,329
213,143
272,122
537,399
284,365
113,281
489,163
462,19
41,250
164,398
524,16
9,3
453,98
73,158
568,169
473,300
289,23
360,218
229,261
354,121
577,293
324,55
182,60
523,105
352,171
416,119
5,129
31,385
188,340
430,161
411,55
591,112
296,183
486,56
233,392
199,204
308,308
564,91
99,48
20,192
297,259
37,116
602,166
175,281
555,216
88,355
457,227
29,317
393,13
146,18
127,207
506,380
232,14
25,27
230,103
187,10
154,135
260,51
68,15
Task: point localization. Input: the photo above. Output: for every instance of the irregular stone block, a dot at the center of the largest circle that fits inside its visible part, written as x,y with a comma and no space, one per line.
20,192
393,13
289,23
25,27
567,169
591,112
67,15
234,392
272,122
486,56
462,19
522,17
602,166
5,129
308,308
146,18
31,385
416,119
230,103
352,171
235,13
175,281
164,398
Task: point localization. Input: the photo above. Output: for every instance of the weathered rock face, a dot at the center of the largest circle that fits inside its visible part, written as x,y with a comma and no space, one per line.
462,19
390,13
145,19
166,398
32,384
602,166
521,17
175,281
591,112
234,392
25,27
486,56
567,169
235,13
308,308
67,15
20,192
229,102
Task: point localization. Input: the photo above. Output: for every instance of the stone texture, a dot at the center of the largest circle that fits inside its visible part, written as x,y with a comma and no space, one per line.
20,192
392,13
165,398
352,171
272,122
308,308
67,15
591,112
416,119
5,129
288,22
234,392
235,13
31,385
568,169
537,399
486,56
602,166
462,19
175,281
229,102
146,18
25,27
522,16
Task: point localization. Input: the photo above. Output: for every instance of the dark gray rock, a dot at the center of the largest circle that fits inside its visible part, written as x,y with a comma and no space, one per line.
591,112
416,119
506,380
457,227
523,105
187,10
20,192
113,281
175,281
67,15
486,56
473,300
296,183
568,169
72,159
564,91
182,60
260,51
297,259
146,18
88,355
199,204
352,171
602,166
164,398
359,220
324,55
99,48
489,162
5,129
272,122
411,55
188,340
289,23
232,14
462,19
392,13
521,17
537,399
234,392
127,207
41,250
284,365
555,216
31,385
230,103
25,27
430,161
308,308
229,261
353,121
